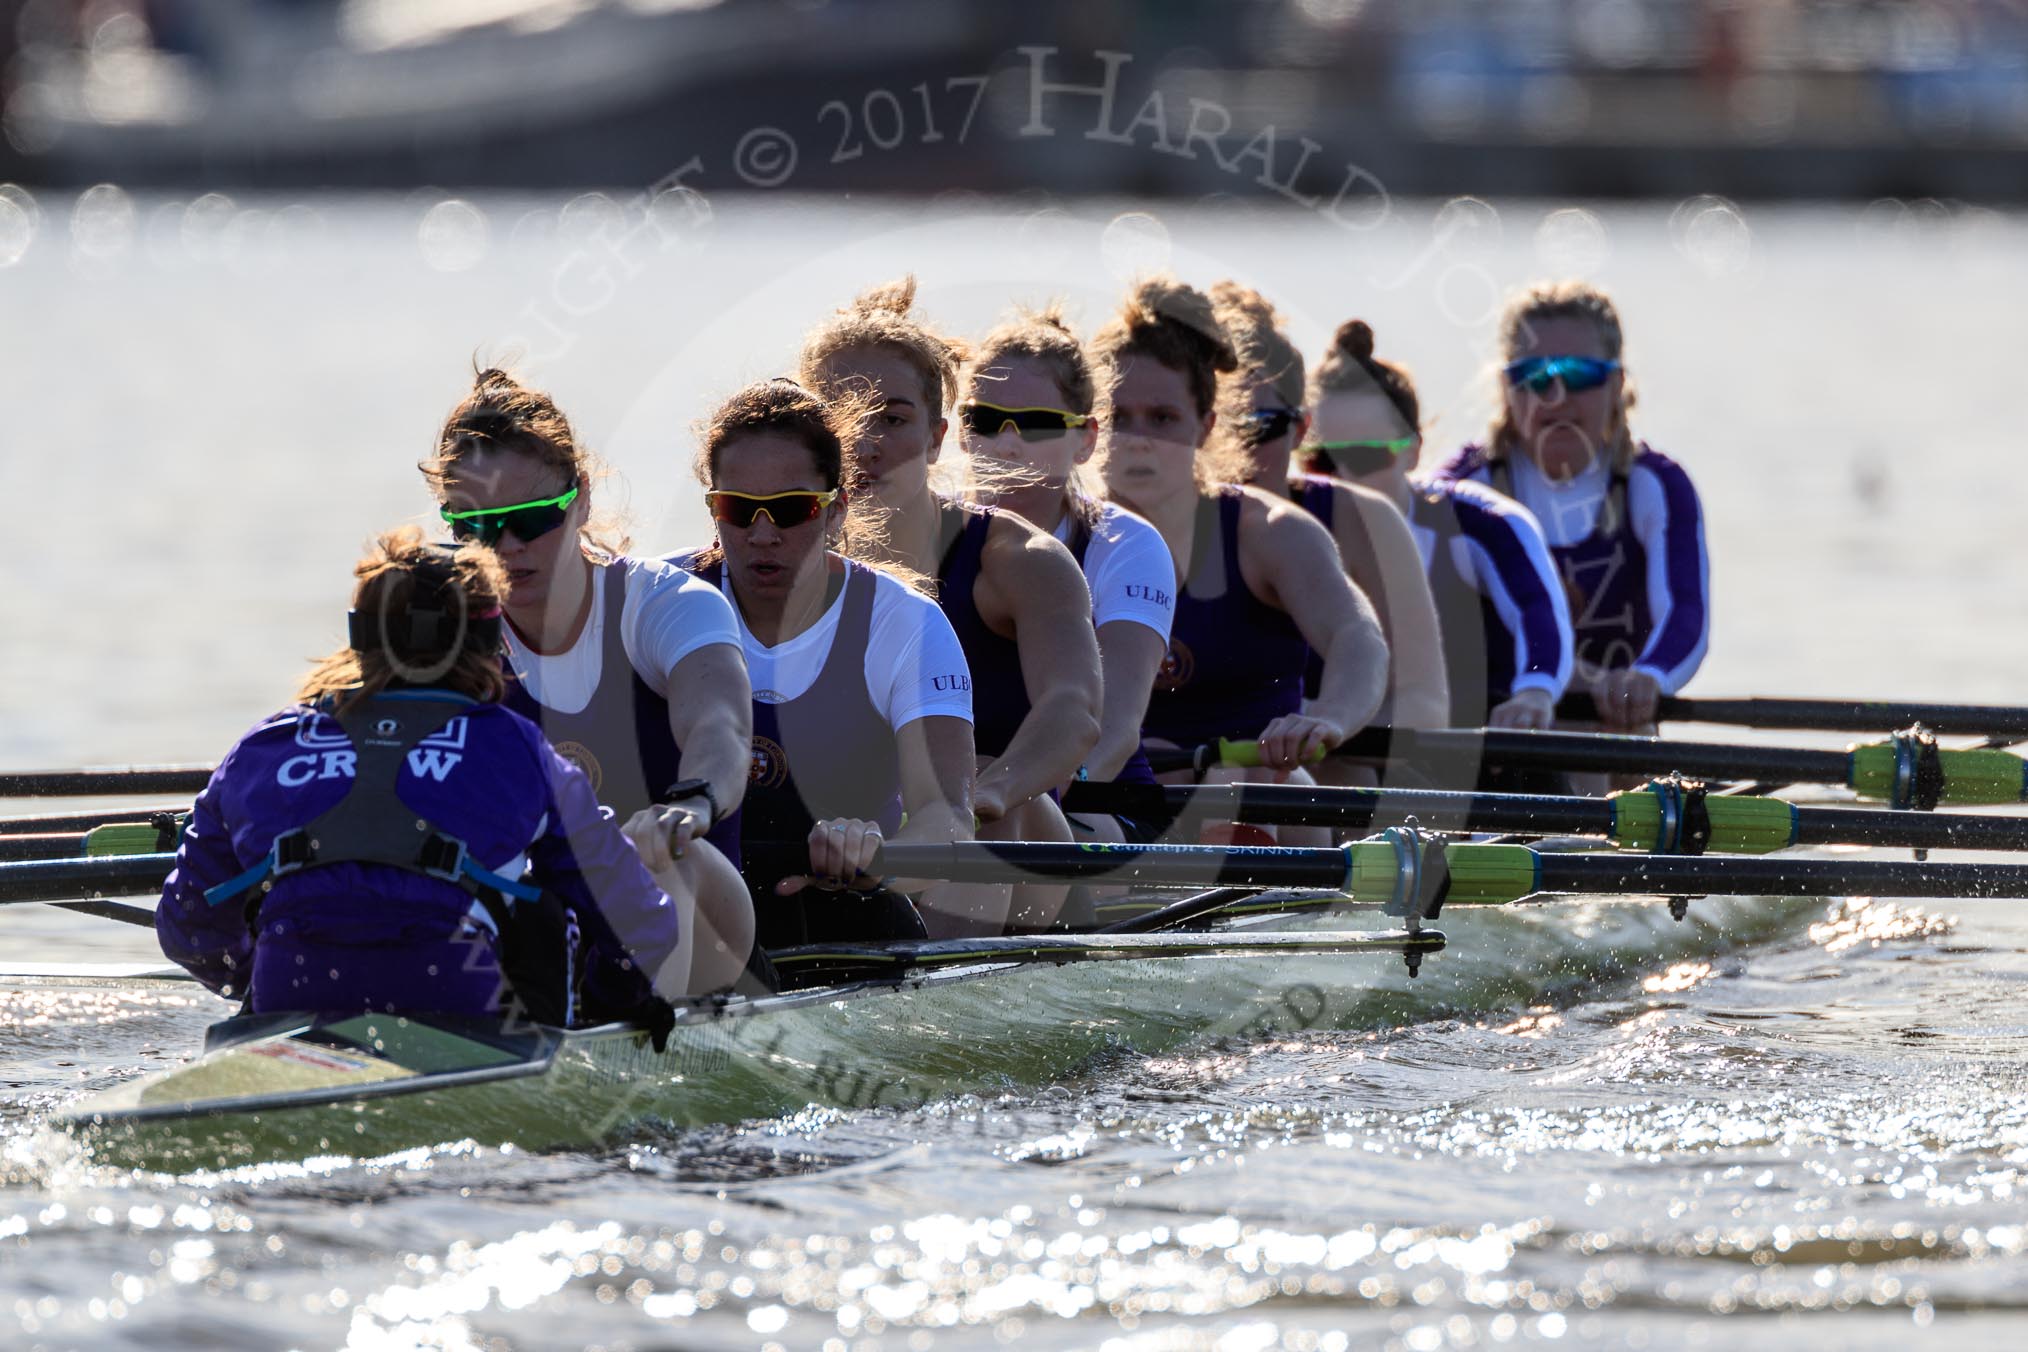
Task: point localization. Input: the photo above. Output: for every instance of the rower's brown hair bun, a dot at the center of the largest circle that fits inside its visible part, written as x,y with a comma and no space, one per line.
1178,326
1351,367
1355,339
1255,328
501,413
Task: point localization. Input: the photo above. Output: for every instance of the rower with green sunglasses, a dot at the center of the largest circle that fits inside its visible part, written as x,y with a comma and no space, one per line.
1506,627
1374,543
1623,521
630,666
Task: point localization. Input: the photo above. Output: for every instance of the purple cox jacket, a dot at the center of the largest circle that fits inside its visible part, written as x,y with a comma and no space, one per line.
349,936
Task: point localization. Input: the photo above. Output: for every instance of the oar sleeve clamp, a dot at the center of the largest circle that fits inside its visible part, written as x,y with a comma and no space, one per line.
1422,879
1918,770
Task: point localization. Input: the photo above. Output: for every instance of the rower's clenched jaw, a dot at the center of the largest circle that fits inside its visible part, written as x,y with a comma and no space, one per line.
902,440
499,478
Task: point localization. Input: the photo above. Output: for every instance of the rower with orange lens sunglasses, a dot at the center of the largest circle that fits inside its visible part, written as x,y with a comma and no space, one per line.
797,507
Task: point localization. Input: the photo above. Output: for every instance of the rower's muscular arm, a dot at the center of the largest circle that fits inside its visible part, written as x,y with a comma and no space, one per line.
1129,655
1420,681
1289,558
711,717
937,761
1032,583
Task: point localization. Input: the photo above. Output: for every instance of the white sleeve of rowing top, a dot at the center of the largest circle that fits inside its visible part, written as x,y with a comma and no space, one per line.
1131,574
915,667
1648,505
669,614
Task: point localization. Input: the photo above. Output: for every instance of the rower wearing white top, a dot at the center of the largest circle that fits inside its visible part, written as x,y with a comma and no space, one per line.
1027,421
862,707
631,668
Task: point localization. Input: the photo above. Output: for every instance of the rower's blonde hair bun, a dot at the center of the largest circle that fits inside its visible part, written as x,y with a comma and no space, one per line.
884,316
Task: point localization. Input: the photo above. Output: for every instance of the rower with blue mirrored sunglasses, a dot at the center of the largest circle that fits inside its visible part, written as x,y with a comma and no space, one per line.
529,521
1576,373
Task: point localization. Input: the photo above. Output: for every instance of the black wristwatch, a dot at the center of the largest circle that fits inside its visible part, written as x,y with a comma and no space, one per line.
693,788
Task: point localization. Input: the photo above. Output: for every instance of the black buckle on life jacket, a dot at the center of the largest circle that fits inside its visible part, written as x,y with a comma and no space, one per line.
442,856
293,850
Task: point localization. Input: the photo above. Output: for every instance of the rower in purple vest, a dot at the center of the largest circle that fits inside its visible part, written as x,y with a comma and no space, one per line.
630,666
1027,424
1506,627
1260,582
397,840
1014,596
861,696
1274,416
1622,520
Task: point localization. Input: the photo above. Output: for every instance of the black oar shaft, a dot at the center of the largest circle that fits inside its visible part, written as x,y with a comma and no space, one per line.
108,779
1773,875
1173,865
1352,809
1909,830
1605,753
1360,809
1831,715
84,879
54,845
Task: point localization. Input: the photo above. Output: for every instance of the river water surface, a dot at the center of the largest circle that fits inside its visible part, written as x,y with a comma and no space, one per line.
1585,1125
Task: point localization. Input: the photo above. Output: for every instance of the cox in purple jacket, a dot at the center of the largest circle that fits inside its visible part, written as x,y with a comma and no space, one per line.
344,936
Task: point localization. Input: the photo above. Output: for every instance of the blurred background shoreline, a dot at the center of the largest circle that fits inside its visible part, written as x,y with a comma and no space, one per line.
1751,99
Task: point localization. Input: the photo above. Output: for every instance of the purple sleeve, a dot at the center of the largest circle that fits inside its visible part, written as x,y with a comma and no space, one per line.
1679,571
630,924
1524,588
212,942
1468,462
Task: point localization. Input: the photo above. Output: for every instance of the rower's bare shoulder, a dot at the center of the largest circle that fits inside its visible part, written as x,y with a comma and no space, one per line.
1015,543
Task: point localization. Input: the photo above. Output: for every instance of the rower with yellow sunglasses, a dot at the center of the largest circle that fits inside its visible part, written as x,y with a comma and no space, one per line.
1027,426
630,666
862,714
